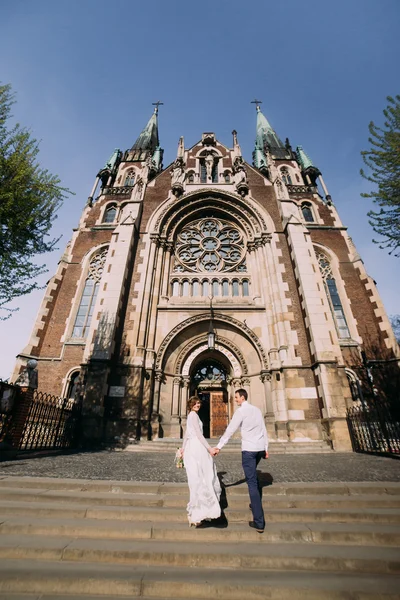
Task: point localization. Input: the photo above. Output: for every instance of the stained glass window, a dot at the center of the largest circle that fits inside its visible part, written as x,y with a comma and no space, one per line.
212,371
286,176
307,213
130,178
210,245
333,295
110,214
89,295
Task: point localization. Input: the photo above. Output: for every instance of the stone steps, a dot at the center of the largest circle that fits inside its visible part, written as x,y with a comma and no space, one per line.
249,556
80,538
365,534
275,447
86,581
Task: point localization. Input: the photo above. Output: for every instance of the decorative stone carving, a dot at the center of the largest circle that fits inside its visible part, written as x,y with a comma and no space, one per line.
28,376
223,341
202,348
217,317
178,173
209,162
265,376
228,201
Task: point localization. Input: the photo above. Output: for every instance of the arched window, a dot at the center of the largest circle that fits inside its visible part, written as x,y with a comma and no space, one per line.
130,178
208,168
235,287
205,289
333,295
190,177
227,177
72,385
225,288
245,288
110,213
175,288
195,289
307,212
215,288
89,295
286,176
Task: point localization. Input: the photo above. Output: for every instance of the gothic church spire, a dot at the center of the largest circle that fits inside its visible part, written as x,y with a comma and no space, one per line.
147,141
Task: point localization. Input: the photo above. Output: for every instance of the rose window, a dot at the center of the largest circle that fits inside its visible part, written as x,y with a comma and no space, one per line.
210,245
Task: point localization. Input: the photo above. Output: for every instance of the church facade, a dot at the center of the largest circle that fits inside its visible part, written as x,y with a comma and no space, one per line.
206,276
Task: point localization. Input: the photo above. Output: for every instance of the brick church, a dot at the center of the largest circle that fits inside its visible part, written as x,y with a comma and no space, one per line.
205,276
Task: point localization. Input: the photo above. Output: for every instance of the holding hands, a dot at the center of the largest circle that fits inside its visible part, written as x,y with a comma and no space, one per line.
214,451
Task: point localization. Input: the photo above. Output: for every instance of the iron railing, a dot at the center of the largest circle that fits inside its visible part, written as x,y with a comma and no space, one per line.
375,428
8,398
52,423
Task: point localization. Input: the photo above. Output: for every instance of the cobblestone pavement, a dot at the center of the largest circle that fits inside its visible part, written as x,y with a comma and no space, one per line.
151,466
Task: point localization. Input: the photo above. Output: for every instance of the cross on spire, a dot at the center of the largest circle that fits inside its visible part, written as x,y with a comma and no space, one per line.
157,104
257,103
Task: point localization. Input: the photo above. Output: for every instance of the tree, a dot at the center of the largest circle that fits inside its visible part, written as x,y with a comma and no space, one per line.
395,322
29,199
383,161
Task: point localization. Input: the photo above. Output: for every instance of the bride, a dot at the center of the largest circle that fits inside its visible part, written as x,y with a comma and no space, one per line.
204,486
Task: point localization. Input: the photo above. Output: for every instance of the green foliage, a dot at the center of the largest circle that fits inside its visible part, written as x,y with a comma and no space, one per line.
395,322
383,161
29,199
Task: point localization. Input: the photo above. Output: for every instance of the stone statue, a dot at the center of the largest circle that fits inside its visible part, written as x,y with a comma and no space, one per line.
178,172
28,376
279,188
138,189
209,160
239,170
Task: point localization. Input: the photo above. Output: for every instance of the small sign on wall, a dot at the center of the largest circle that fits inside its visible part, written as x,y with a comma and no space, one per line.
117,391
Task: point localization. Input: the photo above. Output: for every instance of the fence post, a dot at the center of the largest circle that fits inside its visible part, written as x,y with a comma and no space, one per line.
23,404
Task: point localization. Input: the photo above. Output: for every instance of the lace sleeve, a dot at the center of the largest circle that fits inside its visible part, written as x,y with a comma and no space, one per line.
194,421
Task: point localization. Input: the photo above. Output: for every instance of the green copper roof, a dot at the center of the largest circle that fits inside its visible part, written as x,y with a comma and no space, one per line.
114,158
303,158
148,139
265,133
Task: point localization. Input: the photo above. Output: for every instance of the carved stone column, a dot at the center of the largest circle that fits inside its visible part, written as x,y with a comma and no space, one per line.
254,272
147,292
184,396
269,415
175,425
176,392
166,267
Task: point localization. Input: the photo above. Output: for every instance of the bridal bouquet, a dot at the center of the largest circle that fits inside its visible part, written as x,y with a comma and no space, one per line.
179,458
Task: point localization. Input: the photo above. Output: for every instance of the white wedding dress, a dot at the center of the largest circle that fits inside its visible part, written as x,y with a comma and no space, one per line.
204,486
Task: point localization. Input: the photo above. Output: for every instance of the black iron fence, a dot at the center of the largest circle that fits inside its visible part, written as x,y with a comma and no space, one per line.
51,423
375,428
32,420
9,395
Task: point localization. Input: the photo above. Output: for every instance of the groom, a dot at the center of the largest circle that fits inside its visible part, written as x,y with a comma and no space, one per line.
254,447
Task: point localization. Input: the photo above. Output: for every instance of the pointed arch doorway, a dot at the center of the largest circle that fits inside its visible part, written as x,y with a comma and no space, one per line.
209,381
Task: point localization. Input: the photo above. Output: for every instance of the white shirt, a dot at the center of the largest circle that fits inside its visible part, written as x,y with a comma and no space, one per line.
252,427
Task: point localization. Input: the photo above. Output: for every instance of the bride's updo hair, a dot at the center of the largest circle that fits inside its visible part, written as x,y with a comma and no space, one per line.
191,402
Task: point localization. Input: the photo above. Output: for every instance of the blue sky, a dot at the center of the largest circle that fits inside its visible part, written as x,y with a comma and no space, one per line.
86,73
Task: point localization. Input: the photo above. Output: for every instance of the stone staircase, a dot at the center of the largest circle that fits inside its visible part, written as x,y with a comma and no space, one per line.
105,540
168,444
